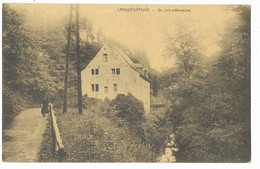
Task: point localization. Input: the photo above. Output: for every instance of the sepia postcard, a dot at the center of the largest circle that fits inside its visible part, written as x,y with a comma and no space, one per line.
126,83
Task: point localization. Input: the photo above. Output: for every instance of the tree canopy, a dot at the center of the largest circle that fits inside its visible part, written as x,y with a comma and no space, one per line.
210,102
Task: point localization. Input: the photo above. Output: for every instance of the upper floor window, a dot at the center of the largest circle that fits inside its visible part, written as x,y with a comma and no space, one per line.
116,71
113,71
105,57
95,71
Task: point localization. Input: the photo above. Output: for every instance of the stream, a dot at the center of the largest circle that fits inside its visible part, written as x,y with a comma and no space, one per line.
170,151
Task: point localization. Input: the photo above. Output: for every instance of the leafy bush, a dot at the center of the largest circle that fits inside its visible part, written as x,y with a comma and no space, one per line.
129,108
150,128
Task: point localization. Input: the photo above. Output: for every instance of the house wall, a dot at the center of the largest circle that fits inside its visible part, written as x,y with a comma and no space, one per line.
127,81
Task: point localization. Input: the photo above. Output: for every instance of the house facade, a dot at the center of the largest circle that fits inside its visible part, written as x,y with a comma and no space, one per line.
112,72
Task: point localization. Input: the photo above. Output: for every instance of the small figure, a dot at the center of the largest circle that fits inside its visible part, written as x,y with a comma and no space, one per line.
170,150
172,145
45,106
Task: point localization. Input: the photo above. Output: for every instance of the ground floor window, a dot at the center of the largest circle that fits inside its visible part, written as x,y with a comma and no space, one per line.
115,87
105,89
95,87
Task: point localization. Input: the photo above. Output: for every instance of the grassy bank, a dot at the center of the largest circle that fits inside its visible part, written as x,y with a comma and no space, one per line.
93,138
98,135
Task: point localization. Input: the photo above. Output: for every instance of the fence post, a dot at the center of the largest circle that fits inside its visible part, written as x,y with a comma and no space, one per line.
57,146
53,138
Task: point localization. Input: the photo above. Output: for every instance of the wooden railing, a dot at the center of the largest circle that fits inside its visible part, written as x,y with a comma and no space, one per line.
58,149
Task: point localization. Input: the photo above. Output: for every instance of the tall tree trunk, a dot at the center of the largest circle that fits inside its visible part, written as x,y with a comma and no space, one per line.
67,64
78,61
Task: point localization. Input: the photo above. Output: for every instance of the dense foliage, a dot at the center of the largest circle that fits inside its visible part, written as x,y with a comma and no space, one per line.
210,108
34,63
129,109
18,59
128,112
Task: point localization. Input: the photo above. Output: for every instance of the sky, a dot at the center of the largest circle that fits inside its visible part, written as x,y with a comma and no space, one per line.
142,29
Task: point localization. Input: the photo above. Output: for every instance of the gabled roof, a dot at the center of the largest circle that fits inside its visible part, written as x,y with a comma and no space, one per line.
133,65
126,58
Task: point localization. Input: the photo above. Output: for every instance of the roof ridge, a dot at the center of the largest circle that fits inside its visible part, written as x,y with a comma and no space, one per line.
132,63
124,55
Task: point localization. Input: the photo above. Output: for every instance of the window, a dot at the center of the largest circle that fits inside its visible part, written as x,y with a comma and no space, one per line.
115,87
116,71
113,71
92,87
95,71
105,57
95,87
105,89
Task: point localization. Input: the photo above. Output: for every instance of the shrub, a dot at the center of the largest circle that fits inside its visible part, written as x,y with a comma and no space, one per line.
129,108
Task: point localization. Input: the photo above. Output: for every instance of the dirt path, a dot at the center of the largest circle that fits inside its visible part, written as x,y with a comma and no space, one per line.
22,142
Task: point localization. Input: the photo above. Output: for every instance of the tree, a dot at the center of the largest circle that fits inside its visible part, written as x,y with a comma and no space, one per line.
185,49
232,72
31,63
15,41
87,27
88,52
211,104
183,81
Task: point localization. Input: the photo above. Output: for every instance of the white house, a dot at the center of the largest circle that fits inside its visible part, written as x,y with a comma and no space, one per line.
112,72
